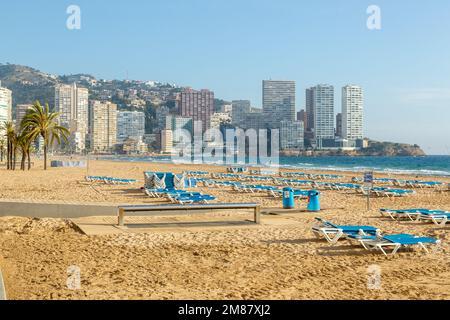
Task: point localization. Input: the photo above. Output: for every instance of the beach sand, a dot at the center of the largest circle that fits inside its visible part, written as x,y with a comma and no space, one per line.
259,262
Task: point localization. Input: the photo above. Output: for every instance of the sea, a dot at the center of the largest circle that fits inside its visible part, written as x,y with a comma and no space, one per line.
420,166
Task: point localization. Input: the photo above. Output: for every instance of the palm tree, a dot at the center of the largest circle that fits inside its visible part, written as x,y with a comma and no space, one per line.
39,121
10,134
2,147
24,143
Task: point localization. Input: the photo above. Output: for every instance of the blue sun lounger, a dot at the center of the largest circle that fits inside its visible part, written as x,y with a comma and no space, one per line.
333,233
411,214
397,241
438,217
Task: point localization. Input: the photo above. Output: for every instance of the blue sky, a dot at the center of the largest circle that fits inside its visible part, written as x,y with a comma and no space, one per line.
231,46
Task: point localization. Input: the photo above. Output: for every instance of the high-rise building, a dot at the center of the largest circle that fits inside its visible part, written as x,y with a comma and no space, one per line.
161,114
102,126
352,113
323,109
239,110
278,101
254,120
181,123
291,135
309,124
21,111
130,124
5,105
339,125
72,103
303,116
198,105
166,141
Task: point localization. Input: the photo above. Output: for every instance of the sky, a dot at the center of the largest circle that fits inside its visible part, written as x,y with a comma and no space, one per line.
230,46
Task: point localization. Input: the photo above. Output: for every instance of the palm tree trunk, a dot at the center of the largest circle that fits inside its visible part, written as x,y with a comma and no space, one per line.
45,156
29,159
14,158
22,162
9,155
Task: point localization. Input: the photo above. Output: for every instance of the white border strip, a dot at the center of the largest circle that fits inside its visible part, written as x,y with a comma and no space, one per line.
2,288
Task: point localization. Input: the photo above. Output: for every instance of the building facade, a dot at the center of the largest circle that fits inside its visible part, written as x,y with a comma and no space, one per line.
5,105
102,126
303,116
198,105
72,103
323,109
130,124
166,141
21,111
352,112
278,101
240,108
309,108
292,135
339,125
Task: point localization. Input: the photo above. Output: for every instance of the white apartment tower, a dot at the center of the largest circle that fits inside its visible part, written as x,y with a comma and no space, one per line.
72,103
103,126
322,100
352,112
130,124
5,105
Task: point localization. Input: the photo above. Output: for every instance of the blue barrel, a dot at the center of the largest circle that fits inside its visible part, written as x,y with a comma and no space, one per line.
288,198
313,200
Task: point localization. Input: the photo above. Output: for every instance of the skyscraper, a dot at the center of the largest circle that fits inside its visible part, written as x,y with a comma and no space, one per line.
198,105
352,112
309,94
72,103
291,135
302,116
339,125
238,112
102,126
5,105
278,102
21,111
322,105
130,124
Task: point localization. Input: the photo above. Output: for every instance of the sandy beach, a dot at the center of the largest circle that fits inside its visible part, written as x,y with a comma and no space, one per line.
253,262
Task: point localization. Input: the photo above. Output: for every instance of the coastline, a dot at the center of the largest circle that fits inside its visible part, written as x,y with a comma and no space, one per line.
308,166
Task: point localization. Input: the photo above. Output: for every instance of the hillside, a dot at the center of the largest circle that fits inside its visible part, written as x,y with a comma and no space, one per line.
27,84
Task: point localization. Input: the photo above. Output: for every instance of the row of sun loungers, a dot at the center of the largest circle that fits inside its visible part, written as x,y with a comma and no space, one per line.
438,217
109,180
371,238
310,176
385,192
196,174
180,196
404,183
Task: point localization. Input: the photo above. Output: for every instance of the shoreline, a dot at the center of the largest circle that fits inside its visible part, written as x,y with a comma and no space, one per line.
290,167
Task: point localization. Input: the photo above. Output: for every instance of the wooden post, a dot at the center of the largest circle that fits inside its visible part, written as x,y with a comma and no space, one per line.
258,215
121,215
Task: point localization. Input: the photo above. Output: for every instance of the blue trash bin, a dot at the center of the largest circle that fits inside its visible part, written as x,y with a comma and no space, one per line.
288,198
313,200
